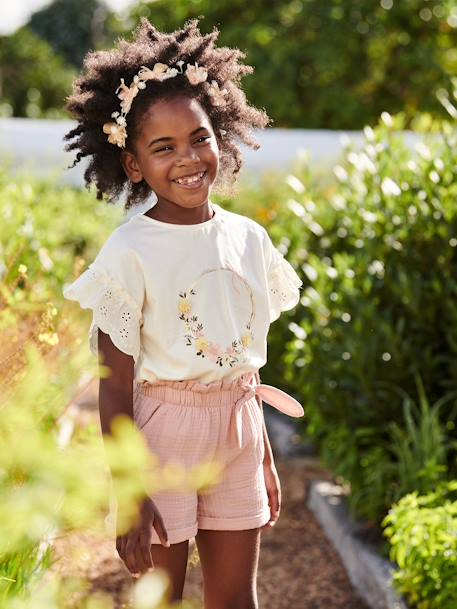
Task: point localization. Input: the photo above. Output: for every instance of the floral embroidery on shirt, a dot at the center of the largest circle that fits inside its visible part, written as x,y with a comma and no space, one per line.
195,335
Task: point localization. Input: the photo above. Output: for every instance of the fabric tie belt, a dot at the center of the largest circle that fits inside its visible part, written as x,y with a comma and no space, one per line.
277,398
194,393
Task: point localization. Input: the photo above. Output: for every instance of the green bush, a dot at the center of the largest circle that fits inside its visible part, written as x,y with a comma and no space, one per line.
420,447
47,235
47,226
423,534
34,81
378,253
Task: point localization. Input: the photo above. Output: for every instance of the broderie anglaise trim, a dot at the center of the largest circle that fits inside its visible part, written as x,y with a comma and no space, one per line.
116,313
284,285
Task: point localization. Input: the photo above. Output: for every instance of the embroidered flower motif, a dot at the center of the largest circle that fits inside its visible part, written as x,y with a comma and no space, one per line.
246,339
216,94
213,350
235,352
184,306
202,345
116,133
196,74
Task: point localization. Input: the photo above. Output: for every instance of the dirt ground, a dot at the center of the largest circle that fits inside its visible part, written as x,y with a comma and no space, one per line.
298,568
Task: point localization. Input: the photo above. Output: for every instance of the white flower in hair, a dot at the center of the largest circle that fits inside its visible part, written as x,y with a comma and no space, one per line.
216,94
116,133
170,73
139,83
160,71
196,74
126,95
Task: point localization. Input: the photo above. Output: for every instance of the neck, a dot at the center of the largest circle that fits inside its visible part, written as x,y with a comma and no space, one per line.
166,211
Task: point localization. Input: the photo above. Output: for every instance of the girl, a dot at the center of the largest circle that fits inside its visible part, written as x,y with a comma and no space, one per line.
183,296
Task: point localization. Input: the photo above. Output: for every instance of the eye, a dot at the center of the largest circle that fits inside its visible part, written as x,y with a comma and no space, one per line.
160,149
203,137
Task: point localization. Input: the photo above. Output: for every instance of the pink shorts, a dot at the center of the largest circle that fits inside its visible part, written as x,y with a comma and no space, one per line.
189,422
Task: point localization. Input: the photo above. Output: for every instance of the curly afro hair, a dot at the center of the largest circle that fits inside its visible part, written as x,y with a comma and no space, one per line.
93,99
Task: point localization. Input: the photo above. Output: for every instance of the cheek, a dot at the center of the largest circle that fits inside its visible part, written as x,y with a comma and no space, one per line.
156,167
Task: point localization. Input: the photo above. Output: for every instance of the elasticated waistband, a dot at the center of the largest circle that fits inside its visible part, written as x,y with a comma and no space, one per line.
195,393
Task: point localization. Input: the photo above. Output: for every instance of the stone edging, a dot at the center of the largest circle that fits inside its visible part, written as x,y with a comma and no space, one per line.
369,573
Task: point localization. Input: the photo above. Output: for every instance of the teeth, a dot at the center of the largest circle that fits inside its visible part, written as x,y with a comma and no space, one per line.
191,179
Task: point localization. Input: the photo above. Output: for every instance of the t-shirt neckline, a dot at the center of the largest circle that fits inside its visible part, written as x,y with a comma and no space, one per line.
215,217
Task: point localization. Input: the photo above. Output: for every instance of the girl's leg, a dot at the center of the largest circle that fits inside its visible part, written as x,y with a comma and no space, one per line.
173,560
229,561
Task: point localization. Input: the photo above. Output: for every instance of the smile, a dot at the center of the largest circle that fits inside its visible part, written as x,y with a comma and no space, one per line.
193,181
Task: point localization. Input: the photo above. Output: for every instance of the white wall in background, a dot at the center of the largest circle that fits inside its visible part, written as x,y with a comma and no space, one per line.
37,146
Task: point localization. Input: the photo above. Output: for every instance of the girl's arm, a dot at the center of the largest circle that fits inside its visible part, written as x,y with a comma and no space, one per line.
272,482
116,398
115,391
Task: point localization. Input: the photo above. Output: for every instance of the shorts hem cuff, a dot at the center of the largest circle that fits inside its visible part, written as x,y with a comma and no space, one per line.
176,536
233,524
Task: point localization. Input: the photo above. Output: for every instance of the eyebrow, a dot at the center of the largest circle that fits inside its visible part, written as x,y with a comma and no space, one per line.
162,139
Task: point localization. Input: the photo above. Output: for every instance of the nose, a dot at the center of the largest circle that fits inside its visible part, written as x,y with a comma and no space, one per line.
188,155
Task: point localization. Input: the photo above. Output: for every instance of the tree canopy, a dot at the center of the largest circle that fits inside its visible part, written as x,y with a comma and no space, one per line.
334,64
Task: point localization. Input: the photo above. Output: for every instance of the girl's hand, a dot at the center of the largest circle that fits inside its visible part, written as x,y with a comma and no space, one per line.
273,486
134,547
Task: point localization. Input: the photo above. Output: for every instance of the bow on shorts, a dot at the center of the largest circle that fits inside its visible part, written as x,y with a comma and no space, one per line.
277,398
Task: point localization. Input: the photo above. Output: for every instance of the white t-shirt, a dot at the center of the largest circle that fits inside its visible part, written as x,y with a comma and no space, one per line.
190,301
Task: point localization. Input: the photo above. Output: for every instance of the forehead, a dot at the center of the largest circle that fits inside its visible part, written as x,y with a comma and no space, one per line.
180,114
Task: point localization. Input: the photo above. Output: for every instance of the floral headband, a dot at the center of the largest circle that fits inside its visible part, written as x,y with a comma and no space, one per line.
116,131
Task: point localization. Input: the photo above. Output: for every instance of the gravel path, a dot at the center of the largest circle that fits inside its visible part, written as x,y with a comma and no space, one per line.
298,569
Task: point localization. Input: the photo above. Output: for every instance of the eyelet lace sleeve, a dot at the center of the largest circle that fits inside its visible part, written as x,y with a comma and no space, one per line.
283,285
115,311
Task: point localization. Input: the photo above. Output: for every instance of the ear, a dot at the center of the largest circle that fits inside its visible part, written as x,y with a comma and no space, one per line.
131,167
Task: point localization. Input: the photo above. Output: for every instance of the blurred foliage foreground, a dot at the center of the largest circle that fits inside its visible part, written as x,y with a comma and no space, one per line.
48,488
371,352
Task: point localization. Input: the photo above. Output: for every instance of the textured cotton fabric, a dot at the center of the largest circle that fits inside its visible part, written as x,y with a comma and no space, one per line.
188,301
190,423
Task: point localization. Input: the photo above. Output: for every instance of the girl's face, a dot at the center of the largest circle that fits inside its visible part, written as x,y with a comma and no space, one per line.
176,139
